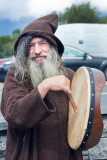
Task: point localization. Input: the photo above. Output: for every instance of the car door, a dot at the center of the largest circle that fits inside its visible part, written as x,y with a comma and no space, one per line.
74,58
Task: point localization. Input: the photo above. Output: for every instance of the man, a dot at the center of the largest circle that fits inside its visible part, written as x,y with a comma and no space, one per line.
35,96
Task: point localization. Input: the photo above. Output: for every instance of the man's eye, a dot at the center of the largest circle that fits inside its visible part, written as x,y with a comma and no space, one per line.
43,43
31,46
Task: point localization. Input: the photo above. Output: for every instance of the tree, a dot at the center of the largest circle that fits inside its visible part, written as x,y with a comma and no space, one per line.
79,14
7,43
103,19
15,33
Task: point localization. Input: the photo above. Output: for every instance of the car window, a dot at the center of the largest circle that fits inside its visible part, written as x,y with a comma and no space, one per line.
72,52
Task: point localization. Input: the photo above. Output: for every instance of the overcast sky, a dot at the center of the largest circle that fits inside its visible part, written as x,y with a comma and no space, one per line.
16,14
17,9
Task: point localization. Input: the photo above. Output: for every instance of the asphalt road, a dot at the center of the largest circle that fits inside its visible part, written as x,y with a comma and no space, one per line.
1,88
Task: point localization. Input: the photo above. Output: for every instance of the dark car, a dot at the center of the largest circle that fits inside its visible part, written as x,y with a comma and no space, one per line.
5,64
74,58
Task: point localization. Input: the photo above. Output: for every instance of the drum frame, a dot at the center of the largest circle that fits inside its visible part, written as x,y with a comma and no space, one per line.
92,106
94,123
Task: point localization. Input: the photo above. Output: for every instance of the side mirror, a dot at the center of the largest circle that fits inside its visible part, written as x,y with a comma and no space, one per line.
85,56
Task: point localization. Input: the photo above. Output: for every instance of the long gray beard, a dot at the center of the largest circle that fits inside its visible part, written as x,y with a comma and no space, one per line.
50,67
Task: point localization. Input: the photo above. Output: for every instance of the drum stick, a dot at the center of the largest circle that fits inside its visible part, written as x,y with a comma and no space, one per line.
73,103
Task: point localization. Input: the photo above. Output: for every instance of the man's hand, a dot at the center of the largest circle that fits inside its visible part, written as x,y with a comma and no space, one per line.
56,83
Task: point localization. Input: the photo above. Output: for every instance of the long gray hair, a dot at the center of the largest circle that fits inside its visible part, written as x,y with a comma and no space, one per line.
22,57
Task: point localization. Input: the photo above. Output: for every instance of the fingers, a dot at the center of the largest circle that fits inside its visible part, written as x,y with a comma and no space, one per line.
66,85
67,90
58,83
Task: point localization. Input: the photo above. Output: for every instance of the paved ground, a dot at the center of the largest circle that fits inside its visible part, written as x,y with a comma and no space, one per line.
103,102
1,88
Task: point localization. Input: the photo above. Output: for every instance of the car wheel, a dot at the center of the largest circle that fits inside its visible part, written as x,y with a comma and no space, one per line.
105,73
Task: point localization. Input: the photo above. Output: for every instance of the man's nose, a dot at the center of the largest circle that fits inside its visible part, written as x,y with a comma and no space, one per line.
37,49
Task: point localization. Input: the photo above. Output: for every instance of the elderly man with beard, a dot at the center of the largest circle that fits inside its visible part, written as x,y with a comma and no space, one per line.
35,96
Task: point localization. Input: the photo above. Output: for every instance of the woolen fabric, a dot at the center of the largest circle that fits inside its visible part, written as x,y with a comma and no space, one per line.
44,26
37,129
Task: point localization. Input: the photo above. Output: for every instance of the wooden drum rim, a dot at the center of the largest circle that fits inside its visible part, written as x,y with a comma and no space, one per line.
92,106
90,127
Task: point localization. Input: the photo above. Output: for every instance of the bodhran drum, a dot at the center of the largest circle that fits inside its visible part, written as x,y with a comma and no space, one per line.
85,126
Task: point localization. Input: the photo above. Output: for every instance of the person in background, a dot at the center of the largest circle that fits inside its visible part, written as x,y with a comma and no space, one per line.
35,96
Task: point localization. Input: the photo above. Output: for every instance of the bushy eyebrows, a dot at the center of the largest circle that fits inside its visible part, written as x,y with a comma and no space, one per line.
42,40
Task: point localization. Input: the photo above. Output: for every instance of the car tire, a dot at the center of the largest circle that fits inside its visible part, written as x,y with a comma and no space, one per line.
105,73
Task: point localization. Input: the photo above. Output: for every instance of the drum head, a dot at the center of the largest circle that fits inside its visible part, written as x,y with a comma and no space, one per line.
77,121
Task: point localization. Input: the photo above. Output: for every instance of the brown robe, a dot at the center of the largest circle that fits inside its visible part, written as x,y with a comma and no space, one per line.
37,129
